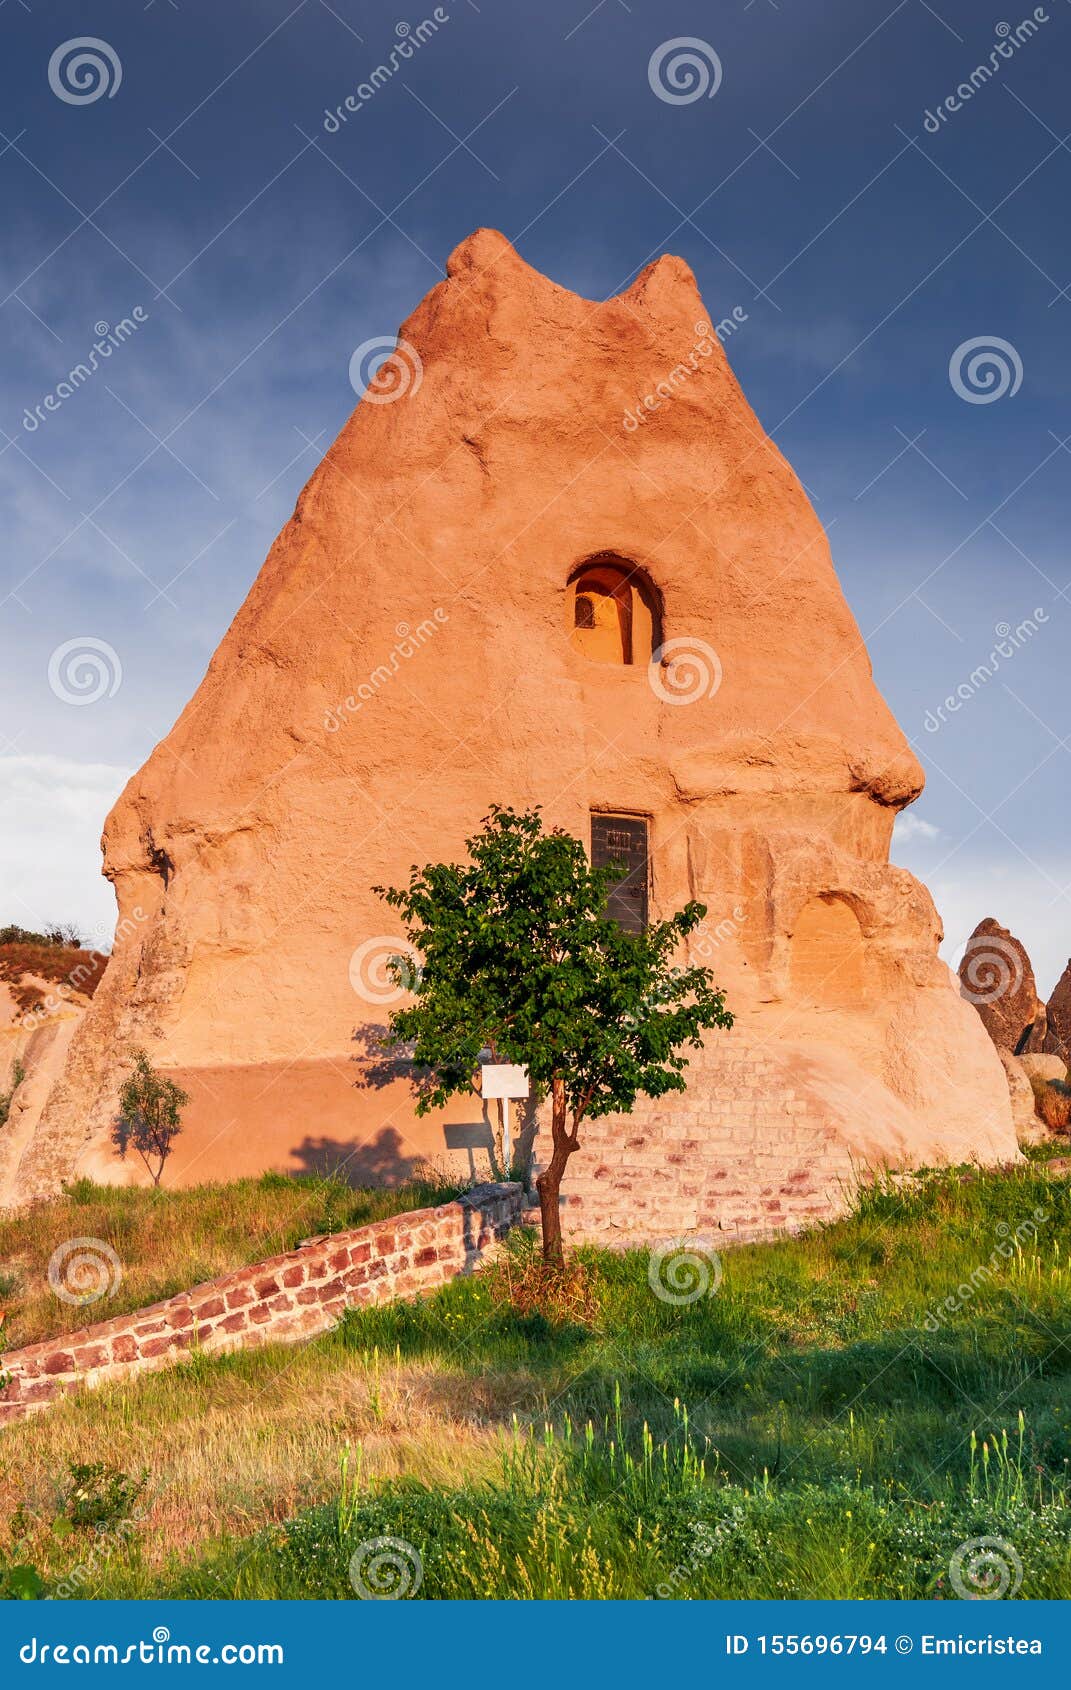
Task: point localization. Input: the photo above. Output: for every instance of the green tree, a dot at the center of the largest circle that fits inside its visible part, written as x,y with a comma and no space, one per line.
150,1116
519,954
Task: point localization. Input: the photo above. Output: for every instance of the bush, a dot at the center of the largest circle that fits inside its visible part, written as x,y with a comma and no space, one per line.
1052,1103
519,1279
99,1495
62,933
18,1074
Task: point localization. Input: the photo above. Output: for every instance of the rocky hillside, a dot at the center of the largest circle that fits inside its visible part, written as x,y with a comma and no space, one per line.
46,982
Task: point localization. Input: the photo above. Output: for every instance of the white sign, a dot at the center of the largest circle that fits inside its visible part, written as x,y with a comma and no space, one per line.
503,1079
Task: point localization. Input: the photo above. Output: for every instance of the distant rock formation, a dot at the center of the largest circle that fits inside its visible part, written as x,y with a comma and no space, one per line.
554,559
996,976
1057,1040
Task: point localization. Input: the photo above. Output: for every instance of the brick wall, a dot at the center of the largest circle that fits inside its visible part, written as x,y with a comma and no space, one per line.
286,1298
745,1153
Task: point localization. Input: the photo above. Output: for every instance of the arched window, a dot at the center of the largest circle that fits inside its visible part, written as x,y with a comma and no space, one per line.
613,611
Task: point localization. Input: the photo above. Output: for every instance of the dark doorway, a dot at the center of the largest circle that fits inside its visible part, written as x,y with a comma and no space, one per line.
622,840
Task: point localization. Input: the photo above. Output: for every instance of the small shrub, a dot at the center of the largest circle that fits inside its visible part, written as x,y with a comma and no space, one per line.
18,1074
521,1280
272,1180
1053,1105
150,1116
99,1495
20,1583
83,1190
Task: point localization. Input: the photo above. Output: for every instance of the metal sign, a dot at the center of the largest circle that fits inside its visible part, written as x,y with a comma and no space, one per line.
503,1079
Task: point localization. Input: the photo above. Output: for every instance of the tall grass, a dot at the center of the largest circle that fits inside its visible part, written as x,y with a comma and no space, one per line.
824,1425
168,1240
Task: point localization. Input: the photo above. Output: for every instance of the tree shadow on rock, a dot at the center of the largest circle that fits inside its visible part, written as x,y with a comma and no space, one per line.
380,1065
381,1161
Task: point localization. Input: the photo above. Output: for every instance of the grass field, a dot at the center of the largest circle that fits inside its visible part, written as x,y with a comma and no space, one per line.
165,1241
844,1415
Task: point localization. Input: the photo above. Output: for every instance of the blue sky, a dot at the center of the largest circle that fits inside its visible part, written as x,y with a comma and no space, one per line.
865,246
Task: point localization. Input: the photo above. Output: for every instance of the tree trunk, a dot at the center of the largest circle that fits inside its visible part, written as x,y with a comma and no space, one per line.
563,1143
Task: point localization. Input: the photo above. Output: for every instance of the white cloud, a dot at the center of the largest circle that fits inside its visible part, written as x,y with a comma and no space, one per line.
53,810
909,826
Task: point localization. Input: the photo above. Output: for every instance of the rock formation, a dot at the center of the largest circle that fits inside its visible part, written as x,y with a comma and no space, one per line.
1057,1040
1029,1129
996,976
551,558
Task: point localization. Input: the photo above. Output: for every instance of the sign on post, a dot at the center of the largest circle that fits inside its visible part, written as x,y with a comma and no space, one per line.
504,1080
